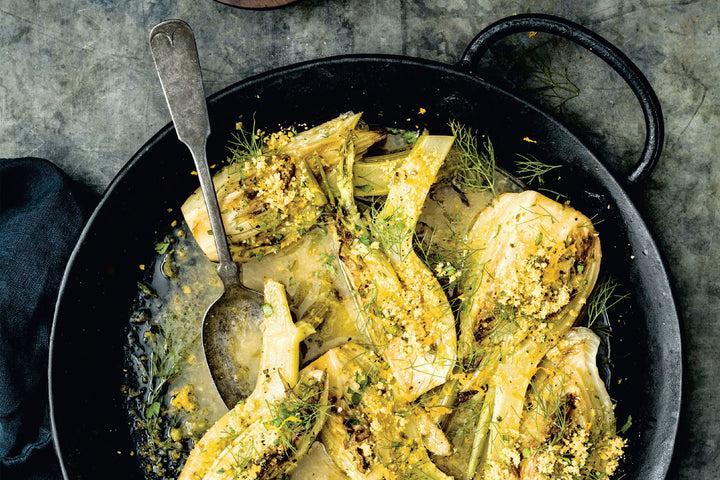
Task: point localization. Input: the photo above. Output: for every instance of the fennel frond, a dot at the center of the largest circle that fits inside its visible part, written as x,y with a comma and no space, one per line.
532,170
602,300
472,169
245,144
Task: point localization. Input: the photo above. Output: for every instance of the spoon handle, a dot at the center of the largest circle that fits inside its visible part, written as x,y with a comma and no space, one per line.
173,48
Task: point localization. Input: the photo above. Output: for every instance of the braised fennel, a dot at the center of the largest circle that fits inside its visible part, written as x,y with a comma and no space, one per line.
437,312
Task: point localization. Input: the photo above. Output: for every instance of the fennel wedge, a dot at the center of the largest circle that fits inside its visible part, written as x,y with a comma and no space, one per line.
322,146
533,266
568,427
266,204
403,311
372,431
269,194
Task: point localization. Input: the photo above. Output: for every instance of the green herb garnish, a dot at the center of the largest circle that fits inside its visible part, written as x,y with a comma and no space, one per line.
473,170
532,170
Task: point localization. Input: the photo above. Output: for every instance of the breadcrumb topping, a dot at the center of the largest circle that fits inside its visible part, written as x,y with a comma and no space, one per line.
527,289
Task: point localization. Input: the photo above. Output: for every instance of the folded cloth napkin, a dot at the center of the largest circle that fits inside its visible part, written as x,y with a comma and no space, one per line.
41,215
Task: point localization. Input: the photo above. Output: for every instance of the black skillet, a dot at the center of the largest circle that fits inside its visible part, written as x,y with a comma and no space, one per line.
91,428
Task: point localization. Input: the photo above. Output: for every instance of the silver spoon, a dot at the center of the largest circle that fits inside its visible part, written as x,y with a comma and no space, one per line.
237,314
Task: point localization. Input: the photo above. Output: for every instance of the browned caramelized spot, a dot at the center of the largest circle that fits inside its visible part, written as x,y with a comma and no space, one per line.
583,245
482,328
360,433
465,396
365,463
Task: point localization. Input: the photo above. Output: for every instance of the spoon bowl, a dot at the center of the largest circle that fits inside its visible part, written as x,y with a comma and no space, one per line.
232,341
237,314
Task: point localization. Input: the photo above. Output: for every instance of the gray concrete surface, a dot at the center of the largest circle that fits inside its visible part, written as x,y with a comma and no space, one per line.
78,87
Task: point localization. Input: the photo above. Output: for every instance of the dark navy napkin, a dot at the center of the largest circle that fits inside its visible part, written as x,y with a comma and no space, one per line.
41,215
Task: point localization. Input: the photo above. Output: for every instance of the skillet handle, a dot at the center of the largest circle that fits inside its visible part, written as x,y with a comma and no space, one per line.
654,125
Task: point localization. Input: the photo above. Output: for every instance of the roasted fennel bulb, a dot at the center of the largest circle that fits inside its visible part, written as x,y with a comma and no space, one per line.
269,194
568,427
533,266
403,311
267,434
372,432
266,203
322,146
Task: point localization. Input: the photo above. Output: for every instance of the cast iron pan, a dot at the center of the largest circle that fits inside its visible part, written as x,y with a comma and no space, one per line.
91,428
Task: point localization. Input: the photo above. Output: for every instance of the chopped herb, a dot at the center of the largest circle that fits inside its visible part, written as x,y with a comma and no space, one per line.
627,425
267,309
153,410
157,367
328,263
410,137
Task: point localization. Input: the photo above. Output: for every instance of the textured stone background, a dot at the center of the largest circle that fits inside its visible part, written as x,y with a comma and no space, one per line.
78,87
